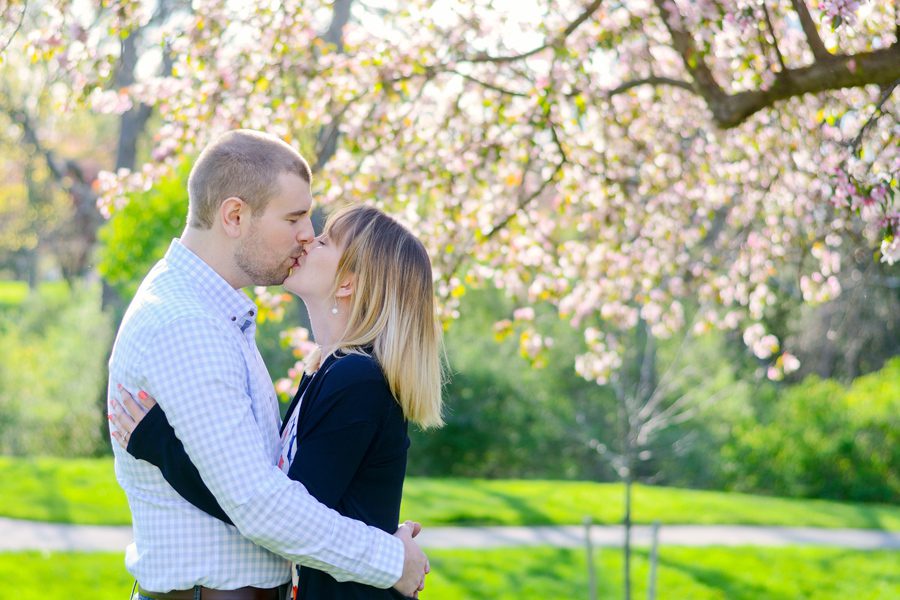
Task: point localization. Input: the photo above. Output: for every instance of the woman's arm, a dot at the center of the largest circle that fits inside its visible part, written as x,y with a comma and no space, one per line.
153,439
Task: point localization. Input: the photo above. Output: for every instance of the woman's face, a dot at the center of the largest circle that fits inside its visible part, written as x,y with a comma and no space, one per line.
313,278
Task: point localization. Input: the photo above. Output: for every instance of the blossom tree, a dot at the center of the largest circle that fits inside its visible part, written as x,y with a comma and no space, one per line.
650,166
625,161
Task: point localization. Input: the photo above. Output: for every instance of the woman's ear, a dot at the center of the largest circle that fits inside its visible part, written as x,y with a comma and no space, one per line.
348,285
232,213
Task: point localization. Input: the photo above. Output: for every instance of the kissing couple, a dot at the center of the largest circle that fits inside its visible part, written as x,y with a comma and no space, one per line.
229,501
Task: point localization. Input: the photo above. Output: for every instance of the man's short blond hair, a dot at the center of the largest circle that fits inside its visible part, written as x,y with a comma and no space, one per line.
241,163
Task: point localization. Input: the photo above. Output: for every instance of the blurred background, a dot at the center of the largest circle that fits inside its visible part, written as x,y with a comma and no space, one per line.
664,237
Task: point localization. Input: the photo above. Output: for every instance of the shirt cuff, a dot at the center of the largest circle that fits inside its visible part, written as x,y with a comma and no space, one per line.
390,569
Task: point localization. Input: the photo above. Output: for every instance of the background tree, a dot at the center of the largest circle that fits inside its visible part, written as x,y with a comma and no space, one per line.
612,158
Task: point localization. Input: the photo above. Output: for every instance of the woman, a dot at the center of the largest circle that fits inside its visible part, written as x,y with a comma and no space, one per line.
367,286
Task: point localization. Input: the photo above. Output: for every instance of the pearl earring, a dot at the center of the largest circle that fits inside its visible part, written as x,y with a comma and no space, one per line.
334,310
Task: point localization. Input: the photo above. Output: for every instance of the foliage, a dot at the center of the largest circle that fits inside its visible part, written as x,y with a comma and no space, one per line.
696,573
821,439
85,491
51,394
504,418
138,234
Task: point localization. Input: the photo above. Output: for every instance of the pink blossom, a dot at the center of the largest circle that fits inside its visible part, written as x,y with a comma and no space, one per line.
525,313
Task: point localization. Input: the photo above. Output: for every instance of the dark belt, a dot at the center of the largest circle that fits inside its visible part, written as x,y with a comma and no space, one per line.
244,593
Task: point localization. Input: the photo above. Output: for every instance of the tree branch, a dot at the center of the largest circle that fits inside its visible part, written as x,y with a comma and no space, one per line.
841,71
67,173
809,29
685,85
554,43
774,37
876,114
16,30
487,85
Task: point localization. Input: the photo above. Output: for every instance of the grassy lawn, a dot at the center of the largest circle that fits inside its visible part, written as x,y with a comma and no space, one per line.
82,490
517,502
85,491
699,574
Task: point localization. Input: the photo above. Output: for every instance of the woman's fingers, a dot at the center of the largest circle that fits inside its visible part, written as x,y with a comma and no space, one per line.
121,419
120,439
122,423
147,400
125,413
126,400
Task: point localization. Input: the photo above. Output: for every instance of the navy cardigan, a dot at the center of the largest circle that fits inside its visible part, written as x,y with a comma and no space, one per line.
351,455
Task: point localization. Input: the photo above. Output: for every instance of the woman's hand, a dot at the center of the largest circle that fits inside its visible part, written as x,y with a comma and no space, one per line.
125,413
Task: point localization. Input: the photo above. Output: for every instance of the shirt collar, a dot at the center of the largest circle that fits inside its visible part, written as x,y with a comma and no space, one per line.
234,305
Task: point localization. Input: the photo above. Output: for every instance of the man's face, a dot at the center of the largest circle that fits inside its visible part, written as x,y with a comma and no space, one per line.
275,239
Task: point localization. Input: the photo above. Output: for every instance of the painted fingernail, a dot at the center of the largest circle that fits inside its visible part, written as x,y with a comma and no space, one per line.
109,417
142,395
119,385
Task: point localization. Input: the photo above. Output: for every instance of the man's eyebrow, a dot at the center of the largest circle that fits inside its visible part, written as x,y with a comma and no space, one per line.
298,213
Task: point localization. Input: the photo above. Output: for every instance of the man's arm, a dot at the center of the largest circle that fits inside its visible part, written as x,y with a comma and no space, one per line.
153,440
197,373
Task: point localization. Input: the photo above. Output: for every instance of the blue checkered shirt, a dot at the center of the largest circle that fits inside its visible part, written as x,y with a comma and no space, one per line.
188,340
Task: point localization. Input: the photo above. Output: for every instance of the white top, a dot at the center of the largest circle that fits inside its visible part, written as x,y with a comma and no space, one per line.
288,452
289,438
188,340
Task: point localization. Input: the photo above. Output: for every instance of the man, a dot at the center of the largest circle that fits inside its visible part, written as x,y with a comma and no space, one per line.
188,340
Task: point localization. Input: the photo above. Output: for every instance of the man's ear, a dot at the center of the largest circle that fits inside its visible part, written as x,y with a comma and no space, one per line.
232,213
348,285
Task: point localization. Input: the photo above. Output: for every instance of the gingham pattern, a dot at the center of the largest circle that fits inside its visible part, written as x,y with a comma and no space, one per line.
187,339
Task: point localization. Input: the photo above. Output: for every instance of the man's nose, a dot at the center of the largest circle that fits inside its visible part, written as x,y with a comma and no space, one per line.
306,234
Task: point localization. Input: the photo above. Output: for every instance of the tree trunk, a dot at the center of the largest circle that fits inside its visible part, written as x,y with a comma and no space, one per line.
626,548
326,144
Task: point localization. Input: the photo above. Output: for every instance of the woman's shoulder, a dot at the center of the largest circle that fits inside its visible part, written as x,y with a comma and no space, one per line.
354,370
355,382
353,366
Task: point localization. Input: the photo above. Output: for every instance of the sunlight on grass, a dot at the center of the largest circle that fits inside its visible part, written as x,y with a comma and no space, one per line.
85,491
512,502
80,490
695,573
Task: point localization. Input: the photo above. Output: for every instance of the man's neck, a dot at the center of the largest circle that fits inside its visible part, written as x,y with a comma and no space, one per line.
213,252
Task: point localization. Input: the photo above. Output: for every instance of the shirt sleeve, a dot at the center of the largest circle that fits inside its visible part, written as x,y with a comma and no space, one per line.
154,441
348,412
196,371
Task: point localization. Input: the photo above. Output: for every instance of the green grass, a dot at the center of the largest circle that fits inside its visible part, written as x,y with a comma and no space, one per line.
85,491
537,573
532,502
82,490
14,293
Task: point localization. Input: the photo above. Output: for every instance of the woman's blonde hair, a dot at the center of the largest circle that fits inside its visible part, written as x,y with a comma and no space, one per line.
392,308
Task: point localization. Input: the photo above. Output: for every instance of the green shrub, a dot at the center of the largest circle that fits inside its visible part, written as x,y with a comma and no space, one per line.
821,439
138,235
52,383
14,293
507,419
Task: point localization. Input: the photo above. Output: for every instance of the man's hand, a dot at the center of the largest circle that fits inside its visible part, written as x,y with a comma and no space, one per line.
415,563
